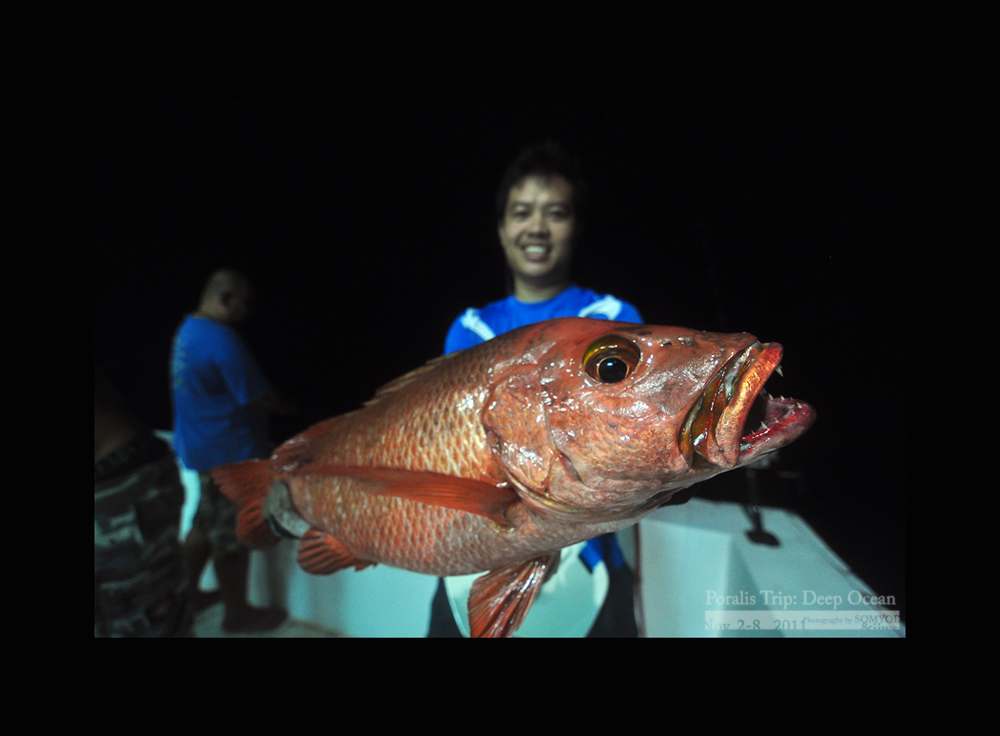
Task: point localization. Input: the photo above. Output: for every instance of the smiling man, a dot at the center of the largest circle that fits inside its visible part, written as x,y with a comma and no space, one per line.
541,203
536,232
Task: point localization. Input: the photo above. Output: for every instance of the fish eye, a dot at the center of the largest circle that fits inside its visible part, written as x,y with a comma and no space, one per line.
611,359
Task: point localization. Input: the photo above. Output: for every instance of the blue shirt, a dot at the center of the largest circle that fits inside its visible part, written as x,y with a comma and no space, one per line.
214,378
479,325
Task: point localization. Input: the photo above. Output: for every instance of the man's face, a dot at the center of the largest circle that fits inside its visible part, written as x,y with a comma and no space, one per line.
238,302
537,228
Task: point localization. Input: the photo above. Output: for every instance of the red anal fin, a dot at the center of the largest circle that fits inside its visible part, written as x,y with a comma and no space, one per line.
462,494
247,485
500,599
321,553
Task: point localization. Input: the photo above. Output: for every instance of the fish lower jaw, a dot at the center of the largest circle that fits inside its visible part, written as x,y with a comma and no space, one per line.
784,420
778,422
734,420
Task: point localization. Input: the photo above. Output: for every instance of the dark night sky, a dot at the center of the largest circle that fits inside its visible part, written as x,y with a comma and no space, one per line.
367,227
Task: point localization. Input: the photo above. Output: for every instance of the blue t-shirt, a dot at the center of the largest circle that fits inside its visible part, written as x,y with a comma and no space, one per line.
214,378
479,325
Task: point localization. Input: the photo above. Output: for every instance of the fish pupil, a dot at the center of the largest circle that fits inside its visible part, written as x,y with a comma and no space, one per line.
612,370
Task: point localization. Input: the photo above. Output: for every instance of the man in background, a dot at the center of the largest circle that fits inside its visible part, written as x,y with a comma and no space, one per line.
221,402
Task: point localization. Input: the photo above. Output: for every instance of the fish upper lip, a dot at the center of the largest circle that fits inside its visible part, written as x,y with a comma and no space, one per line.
714,427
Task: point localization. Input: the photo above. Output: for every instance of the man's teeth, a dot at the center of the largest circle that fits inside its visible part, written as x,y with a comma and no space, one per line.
535,250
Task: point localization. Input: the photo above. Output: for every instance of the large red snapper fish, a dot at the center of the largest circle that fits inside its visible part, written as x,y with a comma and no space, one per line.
494,458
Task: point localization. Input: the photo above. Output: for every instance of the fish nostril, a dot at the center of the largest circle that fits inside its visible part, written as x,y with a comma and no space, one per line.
683,340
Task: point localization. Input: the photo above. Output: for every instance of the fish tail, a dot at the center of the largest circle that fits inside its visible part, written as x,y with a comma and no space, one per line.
247,485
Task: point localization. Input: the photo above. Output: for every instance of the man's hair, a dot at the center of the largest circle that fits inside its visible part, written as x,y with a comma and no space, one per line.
545,160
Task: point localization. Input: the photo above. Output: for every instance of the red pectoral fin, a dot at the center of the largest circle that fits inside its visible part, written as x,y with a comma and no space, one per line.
500,599
472,496
322,554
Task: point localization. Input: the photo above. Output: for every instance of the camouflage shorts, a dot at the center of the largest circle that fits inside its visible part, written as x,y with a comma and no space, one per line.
216,517
140,589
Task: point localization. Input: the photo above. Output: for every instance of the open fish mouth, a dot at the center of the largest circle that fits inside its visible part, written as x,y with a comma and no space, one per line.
734,421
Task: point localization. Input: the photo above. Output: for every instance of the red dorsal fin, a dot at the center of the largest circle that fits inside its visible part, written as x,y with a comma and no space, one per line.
247,485
321,553
500,599
298,450
398,384
462,494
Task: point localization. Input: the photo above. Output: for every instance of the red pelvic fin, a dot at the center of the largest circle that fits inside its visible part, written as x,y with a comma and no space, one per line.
435,489
500,599
247,485
322,554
